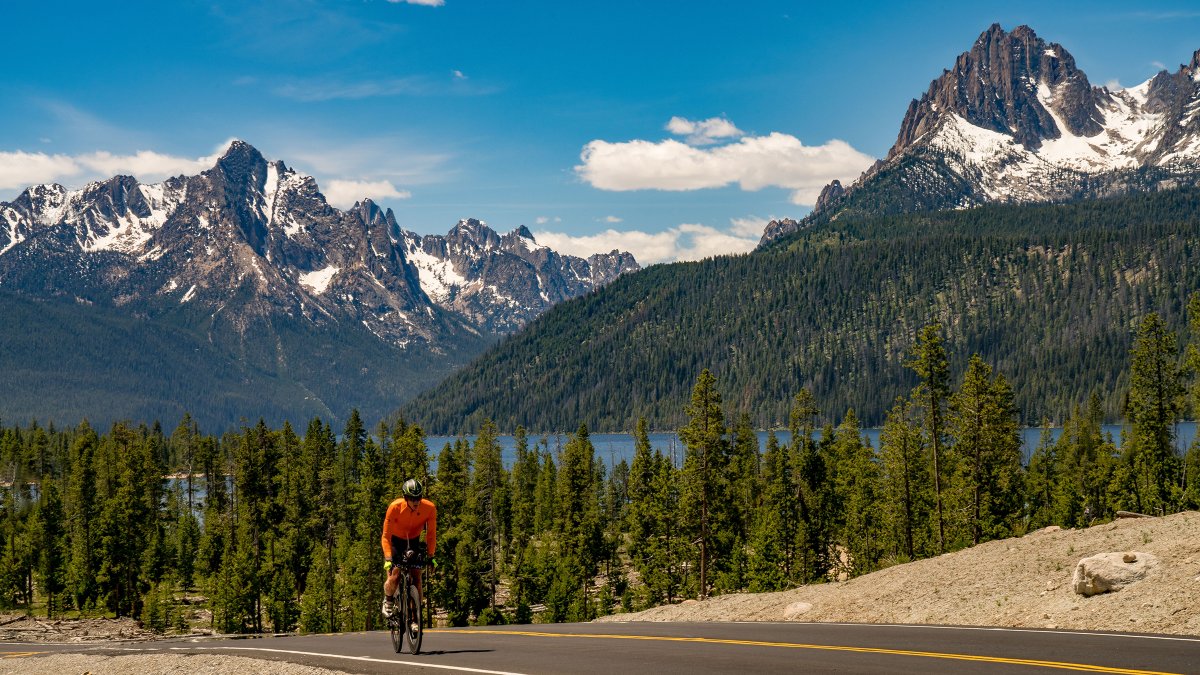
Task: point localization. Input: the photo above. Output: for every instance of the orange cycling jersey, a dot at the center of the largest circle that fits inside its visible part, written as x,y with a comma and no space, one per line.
407,523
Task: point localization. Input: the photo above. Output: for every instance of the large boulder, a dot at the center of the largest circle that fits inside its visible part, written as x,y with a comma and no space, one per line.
1106,572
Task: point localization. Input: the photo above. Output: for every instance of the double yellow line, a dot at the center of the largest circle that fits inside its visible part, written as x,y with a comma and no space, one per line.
1084,667
18,655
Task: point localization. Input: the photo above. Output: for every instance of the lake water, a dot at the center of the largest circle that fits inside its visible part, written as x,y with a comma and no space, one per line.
612,448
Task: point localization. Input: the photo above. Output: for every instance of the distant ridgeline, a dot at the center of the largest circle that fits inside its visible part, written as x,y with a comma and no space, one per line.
1049,295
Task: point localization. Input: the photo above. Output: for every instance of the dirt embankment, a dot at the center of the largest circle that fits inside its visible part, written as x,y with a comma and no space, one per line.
1024,582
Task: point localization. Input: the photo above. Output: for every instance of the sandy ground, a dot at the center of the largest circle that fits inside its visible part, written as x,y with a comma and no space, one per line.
151,664
1024,582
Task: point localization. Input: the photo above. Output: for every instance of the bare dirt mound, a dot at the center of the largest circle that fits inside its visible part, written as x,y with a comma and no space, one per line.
1023,582
23,628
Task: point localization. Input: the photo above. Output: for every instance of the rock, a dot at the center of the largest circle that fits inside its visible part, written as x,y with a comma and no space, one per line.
795,609
1050,528
1111,572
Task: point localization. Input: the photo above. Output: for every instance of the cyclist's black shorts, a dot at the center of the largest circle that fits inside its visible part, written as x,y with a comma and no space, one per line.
401,546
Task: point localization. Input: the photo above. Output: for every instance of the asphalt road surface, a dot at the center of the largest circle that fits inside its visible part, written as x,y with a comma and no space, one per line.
692,648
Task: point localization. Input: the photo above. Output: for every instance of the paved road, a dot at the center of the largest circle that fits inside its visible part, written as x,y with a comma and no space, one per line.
743,648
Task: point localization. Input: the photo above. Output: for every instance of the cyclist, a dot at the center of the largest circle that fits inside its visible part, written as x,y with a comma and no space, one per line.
402,526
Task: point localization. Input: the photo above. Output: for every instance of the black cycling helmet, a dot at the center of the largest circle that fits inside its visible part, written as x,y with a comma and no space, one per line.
412,489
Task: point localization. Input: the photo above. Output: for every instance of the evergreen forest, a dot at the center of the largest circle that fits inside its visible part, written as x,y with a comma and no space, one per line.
264,528
1049,295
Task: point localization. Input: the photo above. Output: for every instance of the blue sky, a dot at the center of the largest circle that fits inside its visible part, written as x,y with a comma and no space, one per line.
670,129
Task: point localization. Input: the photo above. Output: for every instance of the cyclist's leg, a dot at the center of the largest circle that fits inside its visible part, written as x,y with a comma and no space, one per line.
392,581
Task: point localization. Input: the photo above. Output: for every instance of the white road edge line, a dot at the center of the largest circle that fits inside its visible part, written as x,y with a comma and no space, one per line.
418,664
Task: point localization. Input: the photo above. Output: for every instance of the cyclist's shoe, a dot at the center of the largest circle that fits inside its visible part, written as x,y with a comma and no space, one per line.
388,606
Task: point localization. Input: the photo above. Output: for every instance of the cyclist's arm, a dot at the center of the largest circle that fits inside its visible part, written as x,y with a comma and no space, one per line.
431,531
386,540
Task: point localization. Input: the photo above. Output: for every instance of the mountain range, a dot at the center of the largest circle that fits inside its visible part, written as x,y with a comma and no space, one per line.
1031,215
1015,121
249,259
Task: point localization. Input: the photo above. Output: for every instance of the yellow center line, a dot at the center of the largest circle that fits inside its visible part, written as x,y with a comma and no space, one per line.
834,648
17,655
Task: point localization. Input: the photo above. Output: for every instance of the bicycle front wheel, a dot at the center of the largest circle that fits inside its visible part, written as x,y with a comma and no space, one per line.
397,627
415,625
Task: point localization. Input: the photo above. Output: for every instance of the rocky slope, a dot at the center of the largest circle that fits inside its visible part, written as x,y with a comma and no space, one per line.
1022,582
252,238
1014,120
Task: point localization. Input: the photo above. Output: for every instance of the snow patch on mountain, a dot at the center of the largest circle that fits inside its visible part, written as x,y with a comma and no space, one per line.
438,278
318,280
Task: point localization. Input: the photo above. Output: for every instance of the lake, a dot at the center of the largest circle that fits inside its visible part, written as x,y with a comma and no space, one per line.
612,448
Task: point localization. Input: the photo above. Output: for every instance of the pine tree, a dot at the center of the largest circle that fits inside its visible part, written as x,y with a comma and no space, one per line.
774,532
1153,407
987,443
80,510
858,503
1191,477
488,503
579,532
812,490
705,487
928,360
906,486
50,545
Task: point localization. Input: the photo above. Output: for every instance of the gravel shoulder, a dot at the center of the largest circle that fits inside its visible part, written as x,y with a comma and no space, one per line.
152,664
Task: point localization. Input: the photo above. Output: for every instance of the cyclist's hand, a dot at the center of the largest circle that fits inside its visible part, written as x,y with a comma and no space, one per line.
387,566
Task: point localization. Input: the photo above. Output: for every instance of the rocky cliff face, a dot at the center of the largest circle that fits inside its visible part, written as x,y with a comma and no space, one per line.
1015,120
250,239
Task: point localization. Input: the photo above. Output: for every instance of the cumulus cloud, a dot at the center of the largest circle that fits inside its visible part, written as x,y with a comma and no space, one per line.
752,162
343,193
705,132
20,169
689,241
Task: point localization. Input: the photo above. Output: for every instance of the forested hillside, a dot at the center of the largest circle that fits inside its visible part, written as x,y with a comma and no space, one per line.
1048,295
64,361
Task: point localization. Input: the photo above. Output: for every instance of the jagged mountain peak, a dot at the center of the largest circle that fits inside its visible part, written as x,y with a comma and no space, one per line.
1015,120
1013,83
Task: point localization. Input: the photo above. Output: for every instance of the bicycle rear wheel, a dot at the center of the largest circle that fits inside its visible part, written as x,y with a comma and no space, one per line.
414,624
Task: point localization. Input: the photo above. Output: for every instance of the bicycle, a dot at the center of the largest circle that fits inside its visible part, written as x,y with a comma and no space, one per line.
406,619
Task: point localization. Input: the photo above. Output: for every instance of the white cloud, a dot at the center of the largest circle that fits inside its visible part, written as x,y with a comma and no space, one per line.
750,226
705,132
612,219
315,90
427,3
753,162
343,193
1113,85
19,169
688,241
458,75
